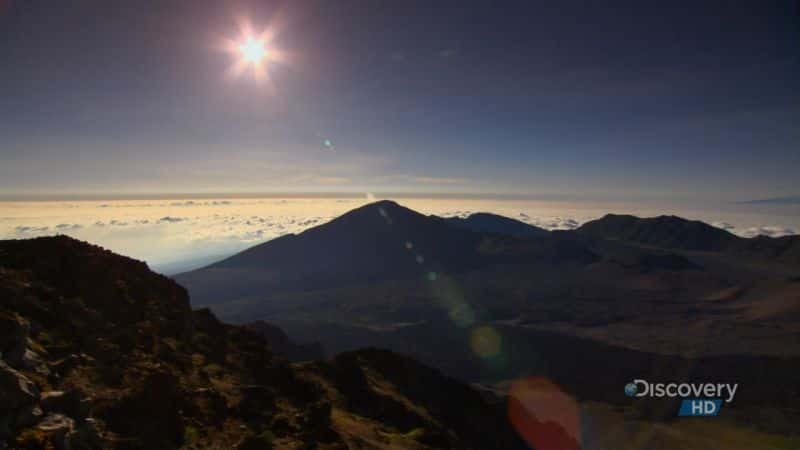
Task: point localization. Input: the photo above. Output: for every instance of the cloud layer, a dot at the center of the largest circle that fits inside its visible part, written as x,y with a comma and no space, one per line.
163,231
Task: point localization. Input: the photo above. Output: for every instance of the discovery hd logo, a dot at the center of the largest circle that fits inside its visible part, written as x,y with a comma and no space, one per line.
699,399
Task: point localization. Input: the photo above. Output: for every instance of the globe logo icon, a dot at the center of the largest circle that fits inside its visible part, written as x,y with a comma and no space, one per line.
631,389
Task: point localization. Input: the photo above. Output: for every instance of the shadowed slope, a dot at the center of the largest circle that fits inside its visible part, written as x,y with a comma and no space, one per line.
671,232
493,223
379,241
662,231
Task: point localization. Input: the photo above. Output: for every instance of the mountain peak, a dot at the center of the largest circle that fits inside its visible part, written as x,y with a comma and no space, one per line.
383,204
665,231
385,208
375,242
388,205
493,223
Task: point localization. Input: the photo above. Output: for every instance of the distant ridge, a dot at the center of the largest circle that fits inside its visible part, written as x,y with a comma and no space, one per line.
384,241
493,223
672,232
378,241
363,242
661,231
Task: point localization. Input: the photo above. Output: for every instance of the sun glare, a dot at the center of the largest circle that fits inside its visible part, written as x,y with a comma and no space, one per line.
253,52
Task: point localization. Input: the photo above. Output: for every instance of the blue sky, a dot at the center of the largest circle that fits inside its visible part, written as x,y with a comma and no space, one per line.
564,99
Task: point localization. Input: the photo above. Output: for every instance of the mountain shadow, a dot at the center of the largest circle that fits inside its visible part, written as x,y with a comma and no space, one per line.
379,241
493,223
671,232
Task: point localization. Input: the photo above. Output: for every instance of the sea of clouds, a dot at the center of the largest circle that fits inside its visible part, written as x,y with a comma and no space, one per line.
165,231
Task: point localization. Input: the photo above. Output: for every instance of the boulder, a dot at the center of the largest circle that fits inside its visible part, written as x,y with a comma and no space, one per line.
261,442
89,435
72,403
207,403
150,413
105,351
70,362
59,428
32,361
16,390
14,331
27,416
256,400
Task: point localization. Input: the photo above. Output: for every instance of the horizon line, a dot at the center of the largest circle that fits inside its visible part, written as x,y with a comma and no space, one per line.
367,196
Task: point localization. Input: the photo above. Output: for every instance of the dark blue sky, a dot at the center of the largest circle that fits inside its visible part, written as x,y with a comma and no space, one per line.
575,99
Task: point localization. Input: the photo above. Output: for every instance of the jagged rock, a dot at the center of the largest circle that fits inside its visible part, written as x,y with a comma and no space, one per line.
70,362
281,425
50,399
16,390
317,422
125,340
60,429
32,361
89,435
205,403
72,403
149,374
256,400
146,335
105,351
261,442
14,331
319,415
27,416
151,413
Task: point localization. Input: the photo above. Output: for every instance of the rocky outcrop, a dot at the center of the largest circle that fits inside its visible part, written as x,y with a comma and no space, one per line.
18,400
104,354
73,403
14,331
59,430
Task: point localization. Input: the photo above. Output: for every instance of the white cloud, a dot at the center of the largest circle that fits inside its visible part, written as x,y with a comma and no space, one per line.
723,225
761,230
769,231
165,230
26,229
553,223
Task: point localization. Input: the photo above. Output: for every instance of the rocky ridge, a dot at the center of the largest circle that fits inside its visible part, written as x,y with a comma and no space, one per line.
98,352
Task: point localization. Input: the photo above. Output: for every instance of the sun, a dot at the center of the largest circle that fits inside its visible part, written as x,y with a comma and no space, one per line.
253,51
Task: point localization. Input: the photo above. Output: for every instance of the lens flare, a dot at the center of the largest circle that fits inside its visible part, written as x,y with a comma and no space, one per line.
544,415
253,51
485,342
